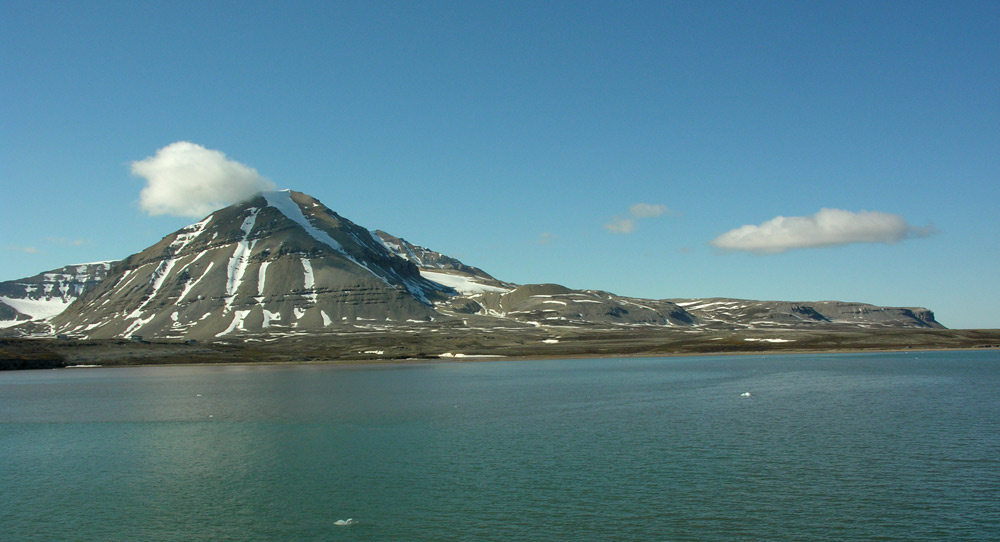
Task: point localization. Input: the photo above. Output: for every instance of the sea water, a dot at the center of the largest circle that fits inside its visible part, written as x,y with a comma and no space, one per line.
897,446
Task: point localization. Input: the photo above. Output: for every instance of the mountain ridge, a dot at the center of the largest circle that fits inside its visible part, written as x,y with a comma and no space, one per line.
282,263
48,293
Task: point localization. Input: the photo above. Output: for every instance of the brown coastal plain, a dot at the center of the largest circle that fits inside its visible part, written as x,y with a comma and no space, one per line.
463,344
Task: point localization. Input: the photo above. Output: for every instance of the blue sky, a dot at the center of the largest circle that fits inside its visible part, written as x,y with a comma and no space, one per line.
518,136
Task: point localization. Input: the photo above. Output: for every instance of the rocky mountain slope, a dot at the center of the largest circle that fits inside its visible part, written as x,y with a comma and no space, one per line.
725,313
38,298
283,264
427,259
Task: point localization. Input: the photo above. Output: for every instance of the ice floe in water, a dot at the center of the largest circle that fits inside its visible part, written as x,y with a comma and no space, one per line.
344,522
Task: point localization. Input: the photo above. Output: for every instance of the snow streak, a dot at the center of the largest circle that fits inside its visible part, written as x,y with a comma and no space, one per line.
190,285
241,257
261,276
183,239
237,323
309,280
282,201
269,317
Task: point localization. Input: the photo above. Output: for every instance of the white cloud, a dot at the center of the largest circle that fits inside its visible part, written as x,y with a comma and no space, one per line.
828,227
626,224
545,238
621,225
645,210
26,250
186,179
67,241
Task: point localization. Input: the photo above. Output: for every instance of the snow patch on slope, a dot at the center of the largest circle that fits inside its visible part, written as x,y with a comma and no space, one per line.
237,323
283,202
309,280
138,323
37,308
183,239
399,250
241,257
261,276
192,284
462,284
270,317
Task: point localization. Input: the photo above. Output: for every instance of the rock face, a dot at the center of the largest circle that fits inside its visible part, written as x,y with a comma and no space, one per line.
37,298
550,304
427,259
282,263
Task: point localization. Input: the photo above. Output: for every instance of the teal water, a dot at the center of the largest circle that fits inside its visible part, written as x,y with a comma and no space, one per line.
827,447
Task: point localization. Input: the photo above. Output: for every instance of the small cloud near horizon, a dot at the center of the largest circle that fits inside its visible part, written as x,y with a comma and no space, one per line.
826,228
67,241
627,224
620,225
186,179
26,250
645,210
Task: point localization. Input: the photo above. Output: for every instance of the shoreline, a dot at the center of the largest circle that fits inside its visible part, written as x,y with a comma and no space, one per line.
468,347
524,358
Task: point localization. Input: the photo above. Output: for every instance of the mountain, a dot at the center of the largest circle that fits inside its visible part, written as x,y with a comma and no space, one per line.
726,313
281,261
284,264
37,298
427,259
482,295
